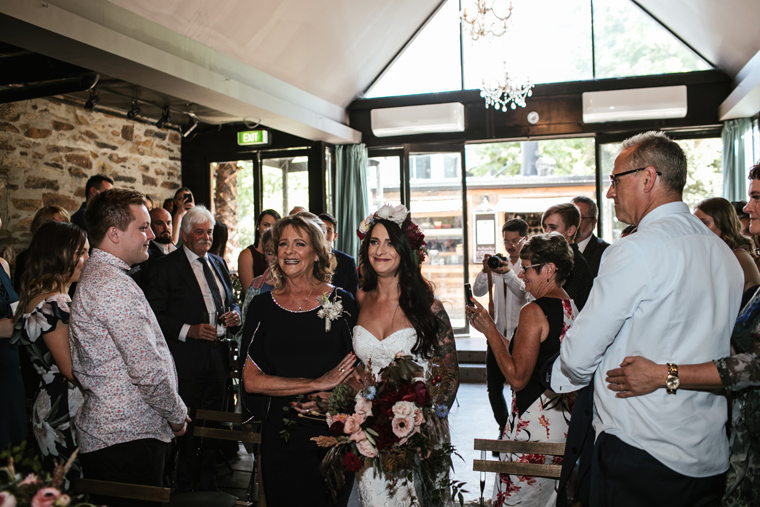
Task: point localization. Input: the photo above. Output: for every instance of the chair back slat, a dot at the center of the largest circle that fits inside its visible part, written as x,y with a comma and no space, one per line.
549,448
515,468
121,490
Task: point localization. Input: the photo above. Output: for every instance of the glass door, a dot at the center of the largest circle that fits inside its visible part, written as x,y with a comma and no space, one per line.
436,203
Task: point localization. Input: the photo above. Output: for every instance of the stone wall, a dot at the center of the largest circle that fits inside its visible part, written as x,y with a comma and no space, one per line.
48,150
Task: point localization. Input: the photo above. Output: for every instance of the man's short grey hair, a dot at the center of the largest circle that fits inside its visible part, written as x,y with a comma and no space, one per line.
588,201
659,151
195,216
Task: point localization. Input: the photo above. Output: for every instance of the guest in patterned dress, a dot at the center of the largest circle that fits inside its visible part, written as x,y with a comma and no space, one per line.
538,415
57,254
132,408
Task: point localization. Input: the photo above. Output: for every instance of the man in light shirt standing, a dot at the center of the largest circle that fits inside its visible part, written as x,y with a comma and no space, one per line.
509,297
670,293
132,408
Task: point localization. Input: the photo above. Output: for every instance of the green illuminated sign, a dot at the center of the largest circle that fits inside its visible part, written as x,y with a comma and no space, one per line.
253,137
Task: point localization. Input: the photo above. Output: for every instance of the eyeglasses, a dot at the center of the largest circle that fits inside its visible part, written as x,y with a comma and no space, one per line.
589,218
526,268
614,178
515,242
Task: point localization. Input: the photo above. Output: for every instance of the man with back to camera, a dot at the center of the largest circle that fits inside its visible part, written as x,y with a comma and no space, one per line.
95,185
589,245
345,276
186,288
670,293
509,298
132,408
565,219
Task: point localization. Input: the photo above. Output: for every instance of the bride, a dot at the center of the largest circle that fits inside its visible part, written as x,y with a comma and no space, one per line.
398,312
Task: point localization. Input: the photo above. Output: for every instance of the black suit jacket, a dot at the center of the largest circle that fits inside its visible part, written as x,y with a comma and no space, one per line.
345,275
579,282
176,298
579,444
140,273
593,253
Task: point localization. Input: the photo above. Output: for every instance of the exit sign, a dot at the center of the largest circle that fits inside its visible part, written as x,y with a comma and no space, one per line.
253,137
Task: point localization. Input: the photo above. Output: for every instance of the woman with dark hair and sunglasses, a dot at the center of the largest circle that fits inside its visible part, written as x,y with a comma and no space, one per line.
56,257
538,414
252,262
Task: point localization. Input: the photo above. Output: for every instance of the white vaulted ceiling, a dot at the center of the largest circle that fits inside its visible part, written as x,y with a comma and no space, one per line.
295,65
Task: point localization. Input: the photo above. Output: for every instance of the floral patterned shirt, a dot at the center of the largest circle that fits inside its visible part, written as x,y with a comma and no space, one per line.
121,359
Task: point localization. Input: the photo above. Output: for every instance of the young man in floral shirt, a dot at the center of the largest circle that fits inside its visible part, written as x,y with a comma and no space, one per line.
132,408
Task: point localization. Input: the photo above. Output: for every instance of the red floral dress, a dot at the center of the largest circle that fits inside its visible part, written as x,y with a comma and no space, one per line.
545,419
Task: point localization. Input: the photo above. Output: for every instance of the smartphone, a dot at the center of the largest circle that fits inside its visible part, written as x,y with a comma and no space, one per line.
468,295
188,198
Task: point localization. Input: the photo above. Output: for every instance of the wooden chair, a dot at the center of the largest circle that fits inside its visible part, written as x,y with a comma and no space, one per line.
121,490
516,468
248,434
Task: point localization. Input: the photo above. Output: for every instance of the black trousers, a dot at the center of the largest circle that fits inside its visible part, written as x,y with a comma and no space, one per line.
624,476
136,462
196,465
495,386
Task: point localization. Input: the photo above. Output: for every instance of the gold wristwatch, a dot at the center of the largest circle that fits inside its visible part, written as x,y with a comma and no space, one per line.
672,381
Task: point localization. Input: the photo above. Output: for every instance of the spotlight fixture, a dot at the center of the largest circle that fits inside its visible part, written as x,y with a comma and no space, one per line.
135,111
92,101
164,119
193,126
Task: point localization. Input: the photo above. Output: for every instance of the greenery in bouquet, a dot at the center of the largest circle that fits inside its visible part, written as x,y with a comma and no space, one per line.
399,423
33,487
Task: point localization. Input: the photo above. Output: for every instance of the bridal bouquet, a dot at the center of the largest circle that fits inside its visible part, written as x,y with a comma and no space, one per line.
399,423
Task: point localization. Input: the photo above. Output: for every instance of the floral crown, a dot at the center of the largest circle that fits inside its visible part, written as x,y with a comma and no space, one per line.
399,215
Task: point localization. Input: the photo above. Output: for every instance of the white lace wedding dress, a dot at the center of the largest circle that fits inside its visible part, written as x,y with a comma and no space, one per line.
373,489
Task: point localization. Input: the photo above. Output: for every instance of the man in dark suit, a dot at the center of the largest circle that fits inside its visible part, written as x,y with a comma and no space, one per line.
565,219
589,245
188,288
161,245
95,185
345,276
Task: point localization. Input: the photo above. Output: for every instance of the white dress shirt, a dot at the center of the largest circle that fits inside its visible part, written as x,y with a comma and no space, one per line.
507,311
208,299
584,243
669,293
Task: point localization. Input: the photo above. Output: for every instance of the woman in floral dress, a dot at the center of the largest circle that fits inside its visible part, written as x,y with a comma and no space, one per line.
538,415
56,256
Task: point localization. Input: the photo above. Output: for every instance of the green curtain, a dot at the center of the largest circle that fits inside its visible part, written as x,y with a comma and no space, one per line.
734,163
351,205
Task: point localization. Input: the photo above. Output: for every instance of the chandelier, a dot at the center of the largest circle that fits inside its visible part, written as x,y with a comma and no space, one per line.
486,22
512,92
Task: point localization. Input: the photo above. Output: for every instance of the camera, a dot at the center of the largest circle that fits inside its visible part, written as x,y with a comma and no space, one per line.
494,262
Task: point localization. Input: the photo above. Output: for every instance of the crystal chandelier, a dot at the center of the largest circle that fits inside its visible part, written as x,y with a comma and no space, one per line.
486,22
512,93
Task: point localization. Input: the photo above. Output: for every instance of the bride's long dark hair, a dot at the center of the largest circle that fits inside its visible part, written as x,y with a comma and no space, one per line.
415,292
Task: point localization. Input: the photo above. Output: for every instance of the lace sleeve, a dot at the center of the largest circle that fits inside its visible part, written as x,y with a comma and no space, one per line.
447,350
741,370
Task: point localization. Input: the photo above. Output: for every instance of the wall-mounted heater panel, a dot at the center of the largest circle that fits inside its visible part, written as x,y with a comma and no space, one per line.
639,104
427,119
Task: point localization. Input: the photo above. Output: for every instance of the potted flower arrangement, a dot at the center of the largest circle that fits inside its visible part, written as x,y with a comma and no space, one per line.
396,422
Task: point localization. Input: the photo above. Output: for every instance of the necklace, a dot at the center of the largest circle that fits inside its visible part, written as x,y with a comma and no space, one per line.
300,305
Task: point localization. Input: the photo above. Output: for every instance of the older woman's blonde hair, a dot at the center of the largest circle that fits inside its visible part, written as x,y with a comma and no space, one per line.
307,225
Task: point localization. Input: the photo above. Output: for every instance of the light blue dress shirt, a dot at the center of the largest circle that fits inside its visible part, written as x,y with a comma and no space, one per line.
670,293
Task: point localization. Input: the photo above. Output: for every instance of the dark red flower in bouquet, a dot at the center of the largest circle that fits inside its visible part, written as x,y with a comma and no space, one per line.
336,428
351,461
422,397
386,399
385,436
